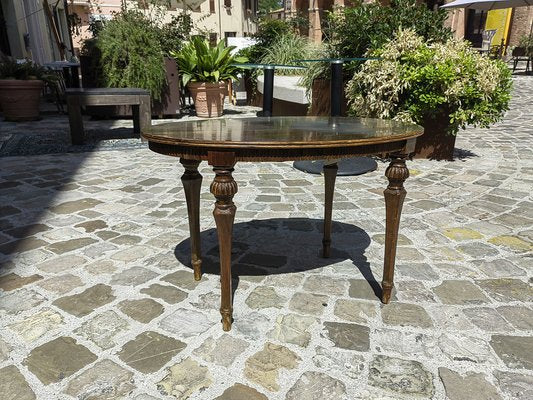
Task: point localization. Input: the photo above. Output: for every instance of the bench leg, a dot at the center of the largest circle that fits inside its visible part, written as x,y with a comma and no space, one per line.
136,122
145,113
75,121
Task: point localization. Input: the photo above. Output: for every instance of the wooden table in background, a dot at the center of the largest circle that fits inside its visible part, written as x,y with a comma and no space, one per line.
224,142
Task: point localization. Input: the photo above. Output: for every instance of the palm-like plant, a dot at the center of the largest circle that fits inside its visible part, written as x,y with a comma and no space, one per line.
198,62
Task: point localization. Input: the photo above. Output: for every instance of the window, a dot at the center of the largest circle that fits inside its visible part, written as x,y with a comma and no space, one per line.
475,23
212,9
213,39
230,34
227,3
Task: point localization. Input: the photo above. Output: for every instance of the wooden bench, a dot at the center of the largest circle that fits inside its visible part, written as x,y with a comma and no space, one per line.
139,99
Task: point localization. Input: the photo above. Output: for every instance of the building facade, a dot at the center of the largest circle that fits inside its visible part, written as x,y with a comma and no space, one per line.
510,24
30,29
219,19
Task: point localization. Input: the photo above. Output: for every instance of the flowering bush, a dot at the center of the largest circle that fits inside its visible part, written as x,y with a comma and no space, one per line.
417,81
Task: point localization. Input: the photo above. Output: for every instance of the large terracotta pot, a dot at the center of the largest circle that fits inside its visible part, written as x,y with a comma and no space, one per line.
20,99
436,143
208,98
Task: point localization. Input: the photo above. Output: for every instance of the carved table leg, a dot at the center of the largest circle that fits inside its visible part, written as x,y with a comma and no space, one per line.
330,173
192,182
224,188
395,193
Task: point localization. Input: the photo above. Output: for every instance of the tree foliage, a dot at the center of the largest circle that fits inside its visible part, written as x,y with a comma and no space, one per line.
131,54
265,6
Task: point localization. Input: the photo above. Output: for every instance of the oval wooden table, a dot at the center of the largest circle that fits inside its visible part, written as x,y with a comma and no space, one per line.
224,142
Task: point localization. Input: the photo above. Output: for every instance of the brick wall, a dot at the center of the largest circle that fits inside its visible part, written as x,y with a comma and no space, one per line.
521,24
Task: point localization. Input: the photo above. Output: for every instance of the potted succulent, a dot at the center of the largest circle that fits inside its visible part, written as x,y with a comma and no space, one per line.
205,71
20,89
442,86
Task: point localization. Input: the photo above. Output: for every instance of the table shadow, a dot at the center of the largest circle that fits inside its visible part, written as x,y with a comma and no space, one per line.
283,246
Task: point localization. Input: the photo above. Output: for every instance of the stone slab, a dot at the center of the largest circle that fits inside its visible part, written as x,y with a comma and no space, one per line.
150,351
104,380
86,302
13,385
58,359
399,376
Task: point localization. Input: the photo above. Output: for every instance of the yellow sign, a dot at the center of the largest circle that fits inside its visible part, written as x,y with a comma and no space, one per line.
499,20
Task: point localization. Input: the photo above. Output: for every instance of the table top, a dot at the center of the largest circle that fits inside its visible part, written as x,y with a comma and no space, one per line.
283,138
107,91
282,132
61,64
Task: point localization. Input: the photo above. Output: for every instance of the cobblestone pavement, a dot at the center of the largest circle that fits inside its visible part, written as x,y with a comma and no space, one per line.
98,301
51,135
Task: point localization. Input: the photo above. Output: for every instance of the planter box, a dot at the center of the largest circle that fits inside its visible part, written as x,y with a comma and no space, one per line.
289,99
436,143
321,99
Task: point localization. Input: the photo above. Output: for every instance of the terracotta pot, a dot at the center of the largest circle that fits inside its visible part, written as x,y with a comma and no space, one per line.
208,98
436,143
20,99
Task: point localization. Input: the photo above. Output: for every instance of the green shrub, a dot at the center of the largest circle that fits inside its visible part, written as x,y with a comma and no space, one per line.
417,81
351,31
198,62
131,54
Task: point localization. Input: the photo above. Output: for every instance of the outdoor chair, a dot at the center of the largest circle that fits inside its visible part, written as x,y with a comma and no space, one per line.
519,54
57,89
486,41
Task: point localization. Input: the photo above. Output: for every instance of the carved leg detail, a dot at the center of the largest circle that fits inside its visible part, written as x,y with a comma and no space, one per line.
224,188
192,183
330,173
395,193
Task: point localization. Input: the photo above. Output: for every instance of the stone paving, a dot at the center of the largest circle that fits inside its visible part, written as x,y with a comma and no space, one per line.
97,299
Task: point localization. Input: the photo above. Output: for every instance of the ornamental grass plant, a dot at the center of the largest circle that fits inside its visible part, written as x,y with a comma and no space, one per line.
419,81
286,49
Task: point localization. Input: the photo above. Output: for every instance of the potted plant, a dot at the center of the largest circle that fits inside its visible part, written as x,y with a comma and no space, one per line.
442,86
20,89
205,71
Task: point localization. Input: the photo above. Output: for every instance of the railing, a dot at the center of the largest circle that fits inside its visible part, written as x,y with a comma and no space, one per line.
336,80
